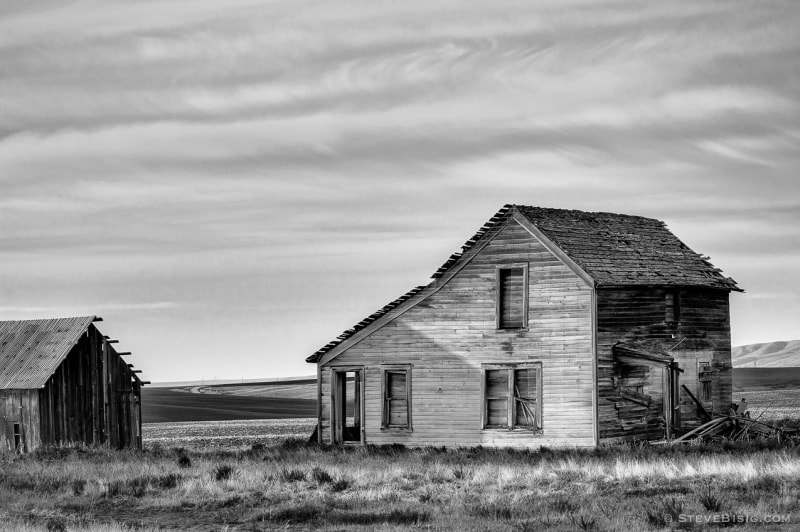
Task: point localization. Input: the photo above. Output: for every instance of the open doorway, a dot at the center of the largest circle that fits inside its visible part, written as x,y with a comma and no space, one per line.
347,405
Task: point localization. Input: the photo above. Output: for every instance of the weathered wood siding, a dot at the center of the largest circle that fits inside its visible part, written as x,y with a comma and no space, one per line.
19,407
92,398
448,336
619,311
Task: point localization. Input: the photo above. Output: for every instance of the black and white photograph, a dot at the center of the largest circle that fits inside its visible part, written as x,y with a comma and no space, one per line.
437,265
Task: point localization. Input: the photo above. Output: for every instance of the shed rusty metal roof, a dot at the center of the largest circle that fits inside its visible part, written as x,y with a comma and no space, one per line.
32,350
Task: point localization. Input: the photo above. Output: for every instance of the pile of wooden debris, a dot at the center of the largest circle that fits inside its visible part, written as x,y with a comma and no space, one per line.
734,428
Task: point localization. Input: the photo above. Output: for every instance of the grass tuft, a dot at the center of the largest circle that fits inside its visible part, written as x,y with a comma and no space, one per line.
498,510
292,475
585,522
78,486
340,484
139,486
184,462
710,498
460,474
664,511
321,476
564,504
223,472
56,524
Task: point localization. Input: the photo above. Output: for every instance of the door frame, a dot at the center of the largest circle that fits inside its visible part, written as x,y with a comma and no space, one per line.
339,404
672,398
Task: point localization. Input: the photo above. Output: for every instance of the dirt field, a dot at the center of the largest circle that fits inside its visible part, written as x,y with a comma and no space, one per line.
229,435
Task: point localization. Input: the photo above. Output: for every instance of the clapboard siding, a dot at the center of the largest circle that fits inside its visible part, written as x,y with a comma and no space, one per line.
450,334
620,311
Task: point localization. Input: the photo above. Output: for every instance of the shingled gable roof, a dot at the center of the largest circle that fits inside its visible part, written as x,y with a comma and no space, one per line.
624,250
32,350
613,249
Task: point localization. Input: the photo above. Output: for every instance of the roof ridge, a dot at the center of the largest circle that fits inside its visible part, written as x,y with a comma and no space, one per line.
92,316
578,211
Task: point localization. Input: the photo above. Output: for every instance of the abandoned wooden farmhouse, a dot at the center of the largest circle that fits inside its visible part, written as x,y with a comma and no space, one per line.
62,382
550,328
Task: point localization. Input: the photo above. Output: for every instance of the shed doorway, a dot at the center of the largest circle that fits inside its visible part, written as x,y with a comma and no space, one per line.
347,405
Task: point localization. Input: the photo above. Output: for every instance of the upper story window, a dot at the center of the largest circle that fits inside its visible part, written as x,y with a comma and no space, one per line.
672,302
512,296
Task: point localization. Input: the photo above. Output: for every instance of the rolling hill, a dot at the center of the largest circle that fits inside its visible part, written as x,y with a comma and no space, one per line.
292,398
756,367
768,355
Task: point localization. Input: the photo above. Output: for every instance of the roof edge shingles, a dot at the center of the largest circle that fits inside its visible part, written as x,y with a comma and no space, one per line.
614,249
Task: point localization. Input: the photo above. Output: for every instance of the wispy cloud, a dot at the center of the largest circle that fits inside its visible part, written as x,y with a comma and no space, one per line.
237,157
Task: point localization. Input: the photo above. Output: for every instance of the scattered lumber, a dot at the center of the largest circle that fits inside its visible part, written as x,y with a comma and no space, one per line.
733,428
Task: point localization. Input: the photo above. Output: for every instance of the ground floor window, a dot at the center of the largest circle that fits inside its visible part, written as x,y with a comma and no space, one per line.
512,396
396,388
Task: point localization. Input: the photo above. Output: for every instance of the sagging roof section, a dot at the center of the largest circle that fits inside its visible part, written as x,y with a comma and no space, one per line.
32,350
614,249
624,250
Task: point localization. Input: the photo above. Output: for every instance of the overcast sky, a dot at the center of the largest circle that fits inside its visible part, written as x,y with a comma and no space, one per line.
231,183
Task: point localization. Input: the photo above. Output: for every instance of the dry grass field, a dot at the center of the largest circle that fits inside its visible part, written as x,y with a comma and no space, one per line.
289,485
257,474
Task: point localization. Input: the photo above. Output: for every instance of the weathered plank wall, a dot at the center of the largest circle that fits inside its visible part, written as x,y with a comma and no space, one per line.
619,311
450,334
19,407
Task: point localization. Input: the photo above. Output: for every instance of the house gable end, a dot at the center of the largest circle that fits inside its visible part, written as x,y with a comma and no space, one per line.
445,274
416,296
454,338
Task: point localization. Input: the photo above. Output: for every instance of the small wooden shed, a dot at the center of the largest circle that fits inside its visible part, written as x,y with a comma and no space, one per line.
62,382
550,327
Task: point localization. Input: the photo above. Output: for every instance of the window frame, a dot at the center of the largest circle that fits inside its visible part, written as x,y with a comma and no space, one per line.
499,296
17,436
705,384
386,369
512,404
672,306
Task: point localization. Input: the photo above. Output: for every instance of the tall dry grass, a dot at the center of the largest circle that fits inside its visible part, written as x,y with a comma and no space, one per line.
296,486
